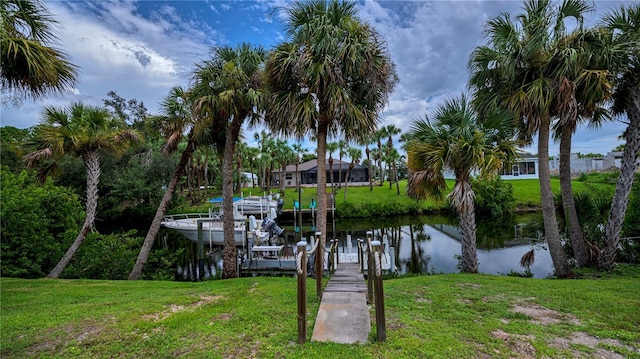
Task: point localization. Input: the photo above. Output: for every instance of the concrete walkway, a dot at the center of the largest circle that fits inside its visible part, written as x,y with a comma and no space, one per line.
343,316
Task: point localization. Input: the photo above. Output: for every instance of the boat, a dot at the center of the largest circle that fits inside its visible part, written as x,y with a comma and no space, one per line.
212,226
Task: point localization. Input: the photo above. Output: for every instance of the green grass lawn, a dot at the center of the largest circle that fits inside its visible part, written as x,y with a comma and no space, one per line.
453,315
526,193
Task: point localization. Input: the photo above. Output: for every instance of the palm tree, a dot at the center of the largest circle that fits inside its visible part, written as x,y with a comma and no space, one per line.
226,92
342,148
582,89
378,136
515,70
81,131
30,67
366,140
393,156
331,78
624,27
390,131
283,156
331,147
299,151
174,120
355,154
457,139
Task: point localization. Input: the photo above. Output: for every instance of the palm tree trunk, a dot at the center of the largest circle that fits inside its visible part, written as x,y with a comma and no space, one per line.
346,182
136,272
228,224
630,164
370,168
92,167
551,231
469,260
321,220
395,175
571,216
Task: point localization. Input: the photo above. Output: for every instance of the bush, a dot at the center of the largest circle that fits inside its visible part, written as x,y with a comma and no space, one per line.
38,224
494,197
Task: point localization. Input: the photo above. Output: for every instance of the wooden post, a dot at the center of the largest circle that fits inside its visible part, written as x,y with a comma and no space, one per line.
301,270
200,252
381,329
319,264
369,269
360,255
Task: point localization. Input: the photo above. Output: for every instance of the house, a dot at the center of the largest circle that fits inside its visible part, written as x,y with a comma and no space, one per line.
587,164
523,168
308,173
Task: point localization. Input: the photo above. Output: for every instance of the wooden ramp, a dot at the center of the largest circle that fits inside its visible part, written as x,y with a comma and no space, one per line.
343,316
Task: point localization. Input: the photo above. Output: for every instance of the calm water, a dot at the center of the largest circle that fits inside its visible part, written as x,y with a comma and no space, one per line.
430,244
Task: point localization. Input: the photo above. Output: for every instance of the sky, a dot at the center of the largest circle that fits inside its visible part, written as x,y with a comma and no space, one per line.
141,49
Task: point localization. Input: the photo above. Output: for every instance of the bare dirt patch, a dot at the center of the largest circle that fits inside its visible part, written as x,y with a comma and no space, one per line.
543,316
175,308
592,342
517,343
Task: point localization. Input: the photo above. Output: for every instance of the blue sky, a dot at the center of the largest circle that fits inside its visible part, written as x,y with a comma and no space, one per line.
141,49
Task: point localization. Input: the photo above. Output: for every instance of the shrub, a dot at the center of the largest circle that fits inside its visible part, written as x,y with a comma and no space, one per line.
494,197
37,224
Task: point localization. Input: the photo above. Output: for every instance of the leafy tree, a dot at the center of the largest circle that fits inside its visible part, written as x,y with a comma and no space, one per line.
79,131
331,78
36,224
226,93
624,28
132,111
30,66
457,139
11,152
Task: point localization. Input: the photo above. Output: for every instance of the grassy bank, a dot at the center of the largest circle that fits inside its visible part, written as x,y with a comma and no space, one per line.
456,315
387,201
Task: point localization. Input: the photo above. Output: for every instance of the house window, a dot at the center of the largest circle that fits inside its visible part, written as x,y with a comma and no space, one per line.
288,176
527,168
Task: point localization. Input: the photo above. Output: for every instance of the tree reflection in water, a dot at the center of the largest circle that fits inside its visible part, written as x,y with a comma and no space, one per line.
430,244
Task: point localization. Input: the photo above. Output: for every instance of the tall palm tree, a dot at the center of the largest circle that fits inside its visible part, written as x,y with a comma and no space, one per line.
366,140
226,92
378,136
173,122
514,70
342,148
331,147
299,151
81,131
457,139
355,154
30,67
390,131
393,156
623,25
582,89
331,78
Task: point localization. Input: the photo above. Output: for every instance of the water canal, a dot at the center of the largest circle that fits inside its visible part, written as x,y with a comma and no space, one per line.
431,244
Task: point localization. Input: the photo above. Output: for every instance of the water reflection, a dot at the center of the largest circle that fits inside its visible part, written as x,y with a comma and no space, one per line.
431,244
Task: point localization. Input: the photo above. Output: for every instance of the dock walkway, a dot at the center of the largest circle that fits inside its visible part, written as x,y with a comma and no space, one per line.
343,316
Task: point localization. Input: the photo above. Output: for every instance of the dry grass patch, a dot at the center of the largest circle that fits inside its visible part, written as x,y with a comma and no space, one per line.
175,308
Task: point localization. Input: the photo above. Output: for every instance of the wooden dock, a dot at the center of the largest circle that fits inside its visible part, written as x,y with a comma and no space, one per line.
343,316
